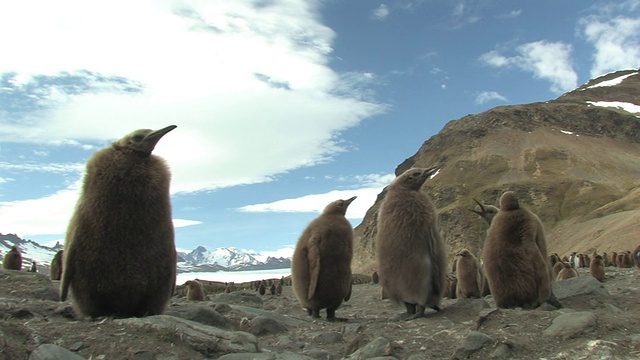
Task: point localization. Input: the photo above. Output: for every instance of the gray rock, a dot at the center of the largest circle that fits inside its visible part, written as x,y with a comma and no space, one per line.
612,309
46,293
206,339
504,350
380,346
265,356
53,352
237,297
142,355
265,325
352,328
320,354
579,286
474,341
284,319
571,324
416,357
331,337
635,338
200,313
222,308
358,342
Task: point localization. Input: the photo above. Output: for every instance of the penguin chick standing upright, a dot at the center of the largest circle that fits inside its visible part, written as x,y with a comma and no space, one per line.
321,263
411,253
55,270
515,257
469,275
119,254
12,259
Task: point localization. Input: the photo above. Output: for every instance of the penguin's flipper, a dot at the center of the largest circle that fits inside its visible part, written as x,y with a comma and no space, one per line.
313,256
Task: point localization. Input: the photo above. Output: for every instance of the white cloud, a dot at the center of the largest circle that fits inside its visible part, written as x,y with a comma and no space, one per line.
616,42
201,65
511,14
178,223
487,96
550,61
371,186
381,12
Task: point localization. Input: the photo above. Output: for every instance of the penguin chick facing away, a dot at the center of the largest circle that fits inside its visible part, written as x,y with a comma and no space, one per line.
321,262
515,257
469,275
55,270
119,255
411,253
12,259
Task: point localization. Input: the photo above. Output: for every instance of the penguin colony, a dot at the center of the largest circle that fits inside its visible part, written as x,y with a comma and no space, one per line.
103,277
119,254
411,253
321,262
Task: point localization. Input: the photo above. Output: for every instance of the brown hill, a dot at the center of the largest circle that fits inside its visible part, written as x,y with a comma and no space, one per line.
575,164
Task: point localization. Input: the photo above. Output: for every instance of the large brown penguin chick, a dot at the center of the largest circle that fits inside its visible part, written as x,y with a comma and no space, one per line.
321,262
411,253
515,258
12,259
119,255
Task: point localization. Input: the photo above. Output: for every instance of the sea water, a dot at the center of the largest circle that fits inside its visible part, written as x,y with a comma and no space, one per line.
233,276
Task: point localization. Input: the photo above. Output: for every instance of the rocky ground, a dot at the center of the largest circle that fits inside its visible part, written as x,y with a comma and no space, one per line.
598,321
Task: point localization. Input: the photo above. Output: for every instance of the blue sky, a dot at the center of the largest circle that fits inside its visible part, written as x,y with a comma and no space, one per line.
281,106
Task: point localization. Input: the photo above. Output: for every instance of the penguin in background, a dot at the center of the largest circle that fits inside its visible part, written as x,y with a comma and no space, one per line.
119,254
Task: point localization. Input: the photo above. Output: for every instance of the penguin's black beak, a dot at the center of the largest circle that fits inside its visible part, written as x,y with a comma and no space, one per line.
349,201
149,142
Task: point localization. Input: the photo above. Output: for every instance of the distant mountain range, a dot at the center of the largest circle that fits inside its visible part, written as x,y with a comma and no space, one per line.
200,259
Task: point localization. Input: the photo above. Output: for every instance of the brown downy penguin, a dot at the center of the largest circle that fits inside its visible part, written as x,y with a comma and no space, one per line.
55,270
567,272
596,268
375,278
469,275
412,257
279,289
262,288
487,212
272,289
321,262
12,259
195,290
515,257
119,254
557,268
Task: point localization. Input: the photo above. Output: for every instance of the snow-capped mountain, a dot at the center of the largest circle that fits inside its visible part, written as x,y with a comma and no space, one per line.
231,259
200,259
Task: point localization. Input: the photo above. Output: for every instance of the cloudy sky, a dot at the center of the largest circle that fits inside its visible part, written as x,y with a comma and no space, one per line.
281,106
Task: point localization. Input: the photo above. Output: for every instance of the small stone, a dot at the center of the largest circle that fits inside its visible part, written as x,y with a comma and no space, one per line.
76,346
328,338
53,352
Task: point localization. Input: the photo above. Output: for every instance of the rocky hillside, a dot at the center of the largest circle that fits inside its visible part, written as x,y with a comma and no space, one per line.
575,161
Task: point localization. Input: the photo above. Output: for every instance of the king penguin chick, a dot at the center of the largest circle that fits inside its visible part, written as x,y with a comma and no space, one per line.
321,263
469,275
55,270
411,253
119,254
515,257
12,259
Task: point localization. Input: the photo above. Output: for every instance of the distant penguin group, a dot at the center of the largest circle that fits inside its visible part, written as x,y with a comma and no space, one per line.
321,262
410,250
119,253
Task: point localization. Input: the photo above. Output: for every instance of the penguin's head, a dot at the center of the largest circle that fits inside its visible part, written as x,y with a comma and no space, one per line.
413,178
338,206
143,141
